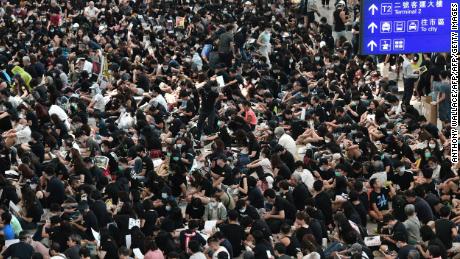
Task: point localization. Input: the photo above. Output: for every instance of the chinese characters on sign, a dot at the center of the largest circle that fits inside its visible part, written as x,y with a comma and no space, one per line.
405,26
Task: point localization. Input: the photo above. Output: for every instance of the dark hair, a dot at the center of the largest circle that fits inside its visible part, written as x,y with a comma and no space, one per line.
270,193
280,248
318,185
444,211
6,217
194,246
123,251
233,215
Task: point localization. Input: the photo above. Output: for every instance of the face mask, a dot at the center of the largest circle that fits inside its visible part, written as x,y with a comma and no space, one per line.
323,168
120,168
383,126
389,132
179,146
365,67
213,204
219,124
176,158
402,169
327,140
168,208
242,210
164,195
432,146
353,131
341,145
337,173
427,154
317,59
358,140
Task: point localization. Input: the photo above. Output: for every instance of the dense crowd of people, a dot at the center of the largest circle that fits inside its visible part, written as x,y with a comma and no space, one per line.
217,129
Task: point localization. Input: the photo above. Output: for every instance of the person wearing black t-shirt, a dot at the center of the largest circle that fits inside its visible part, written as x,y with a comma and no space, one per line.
55,190
403,178
246,210
195,209
282,211
404,248
87,222
234,232
20,250
323,201
395,228
379,199
445,229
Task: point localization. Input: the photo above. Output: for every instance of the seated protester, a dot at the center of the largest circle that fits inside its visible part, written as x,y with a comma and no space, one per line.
186,109
323,202
32,209
289,240
393,227
305,225
379,199
245,209
87,222
222,173
195,209
412,225
403,178
445,229
21,249
422,208
234,232
215,210
263,248
429,237
404,248
190,234
216,250
281,212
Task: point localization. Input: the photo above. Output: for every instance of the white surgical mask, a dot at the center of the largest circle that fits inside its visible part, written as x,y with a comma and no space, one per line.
168,208
432,146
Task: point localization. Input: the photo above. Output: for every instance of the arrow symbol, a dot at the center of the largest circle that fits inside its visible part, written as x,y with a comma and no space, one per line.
372,26
373,8
372,45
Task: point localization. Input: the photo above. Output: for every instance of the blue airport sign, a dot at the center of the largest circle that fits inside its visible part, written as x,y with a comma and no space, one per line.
399,26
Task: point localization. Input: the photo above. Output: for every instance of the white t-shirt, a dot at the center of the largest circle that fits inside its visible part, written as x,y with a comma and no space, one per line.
91,12
266,165
221,249
161,100
288,143
307,178
54,109
100,102
23,135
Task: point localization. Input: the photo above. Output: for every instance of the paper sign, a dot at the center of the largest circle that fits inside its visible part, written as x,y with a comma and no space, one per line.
128,241
96,236
134,223
220,81
14,209
209,225
137,253
180,22
372,241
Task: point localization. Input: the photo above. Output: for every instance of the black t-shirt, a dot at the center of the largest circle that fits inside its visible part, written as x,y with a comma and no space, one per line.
300,195
35,211
91,222
256,198
380,199
100,210
177,180
150,218
282,204
444,231
423,209
235,234
19,250
57,191
195,212
403,180
403,252
323,203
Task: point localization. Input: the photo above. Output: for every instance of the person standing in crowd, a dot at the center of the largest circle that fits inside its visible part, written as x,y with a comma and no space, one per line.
409,78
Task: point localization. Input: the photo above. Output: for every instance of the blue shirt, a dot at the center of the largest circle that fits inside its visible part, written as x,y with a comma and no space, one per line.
8,232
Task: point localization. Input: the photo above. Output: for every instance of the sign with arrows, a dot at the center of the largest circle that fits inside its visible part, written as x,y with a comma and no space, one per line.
400,26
